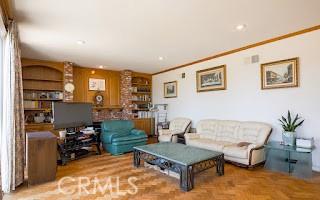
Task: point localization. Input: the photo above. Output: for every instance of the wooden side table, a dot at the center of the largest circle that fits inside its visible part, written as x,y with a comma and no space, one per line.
41,154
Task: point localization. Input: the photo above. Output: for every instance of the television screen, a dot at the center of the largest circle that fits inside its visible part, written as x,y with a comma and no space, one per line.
68,115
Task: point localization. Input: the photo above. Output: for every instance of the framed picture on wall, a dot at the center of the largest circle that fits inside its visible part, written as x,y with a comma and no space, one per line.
97,84
170,89
280,74
212,79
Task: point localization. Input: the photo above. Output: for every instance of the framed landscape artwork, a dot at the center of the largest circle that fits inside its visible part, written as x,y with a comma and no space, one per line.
280,74
212,79
170,89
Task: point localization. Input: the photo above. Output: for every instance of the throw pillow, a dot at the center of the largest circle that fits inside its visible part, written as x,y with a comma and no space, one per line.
243,144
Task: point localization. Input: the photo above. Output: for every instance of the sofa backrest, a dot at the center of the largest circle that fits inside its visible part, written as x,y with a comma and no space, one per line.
179,124
119,126
233,131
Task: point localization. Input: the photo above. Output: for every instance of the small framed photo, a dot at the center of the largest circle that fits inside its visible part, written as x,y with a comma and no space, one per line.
170,89
97,84
280,74
212,79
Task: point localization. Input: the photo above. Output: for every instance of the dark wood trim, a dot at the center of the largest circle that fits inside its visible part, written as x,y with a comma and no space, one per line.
307,30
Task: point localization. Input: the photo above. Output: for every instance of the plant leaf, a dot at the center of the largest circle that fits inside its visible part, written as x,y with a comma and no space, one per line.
289,117
284,119
295,119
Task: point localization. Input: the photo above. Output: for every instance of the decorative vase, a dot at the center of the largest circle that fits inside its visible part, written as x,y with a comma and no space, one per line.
289,138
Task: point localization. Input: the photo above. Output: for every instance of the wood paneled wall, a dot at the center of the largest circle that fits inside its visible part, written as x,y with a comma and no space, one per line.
81,93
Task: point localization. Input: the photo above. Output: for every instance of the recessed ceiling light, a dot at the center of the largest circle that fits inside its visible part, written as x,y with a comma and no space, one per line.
81,42
241,27
101,66
160,58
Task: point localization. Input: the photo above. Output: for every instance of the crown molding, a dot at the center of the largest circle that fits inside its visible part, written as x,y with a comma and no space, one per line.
307,30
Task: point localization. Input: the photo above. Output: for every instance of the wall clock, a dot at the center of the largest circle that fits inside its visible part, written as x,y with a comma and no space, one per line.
69,87
98,99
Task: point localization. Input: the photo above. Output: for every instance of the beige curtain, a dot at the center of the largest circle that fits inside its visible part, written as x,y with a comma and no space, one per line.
18,109
12,131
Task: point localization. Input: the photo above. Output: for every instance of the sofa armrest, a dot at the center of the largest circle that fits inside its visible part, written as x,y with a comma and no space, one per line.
106,137
190,136
137,132
256,154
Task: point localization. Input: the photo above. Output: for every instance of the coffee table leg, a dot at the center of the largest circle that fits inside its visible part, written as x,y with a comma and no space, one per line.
220,165
186,178
136,158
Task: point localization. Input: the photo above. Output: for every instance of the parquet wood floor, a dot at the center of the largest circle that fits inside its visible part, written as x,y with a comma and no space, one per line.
237,183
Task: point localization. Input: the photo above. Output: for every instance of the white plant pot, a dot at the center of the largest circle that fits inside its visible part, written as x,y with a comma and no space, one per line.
289,138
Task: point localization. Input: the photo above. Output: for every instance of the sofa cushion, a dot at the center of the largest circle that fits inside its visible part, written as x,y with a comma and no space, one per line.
236,151
208,144
228,131
119,126
207,128
129,138
254,132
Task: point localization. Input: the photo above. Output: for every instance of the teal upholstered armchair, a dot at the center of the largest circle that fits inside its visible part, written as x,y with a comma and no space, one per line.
119,136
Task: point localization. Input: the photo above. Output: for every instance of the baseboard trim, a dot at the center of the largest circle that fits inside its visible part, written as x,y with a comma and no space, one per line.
316,168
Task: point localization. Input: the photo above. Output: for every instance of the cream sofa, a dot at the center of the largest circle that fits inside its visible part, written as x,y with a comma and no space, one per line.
241,142
177,126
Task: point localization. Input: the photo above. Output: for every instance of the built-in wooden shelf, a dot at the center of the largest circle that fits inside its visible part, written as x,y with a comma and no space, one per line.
141,92
45,90
38,99
140,102
38,109
33,124
41,77
141,84
117,107
35,79
141,109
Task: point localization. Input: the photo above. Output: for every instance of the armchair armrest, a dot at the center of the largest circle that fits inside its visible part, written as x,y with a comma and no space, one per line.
137,132
191,136
164,132
169,132
106,137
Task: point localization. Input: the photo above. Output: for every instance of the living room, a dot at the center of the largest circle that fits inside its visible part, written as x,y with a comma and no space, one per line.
159,99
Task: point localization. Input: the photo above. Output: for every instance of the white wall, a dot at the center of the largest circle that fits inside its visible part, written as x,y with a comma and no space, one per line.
243,99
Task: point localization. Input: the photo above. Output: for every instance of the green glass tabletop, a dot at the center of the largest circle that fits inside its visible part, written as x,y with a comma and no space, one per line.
178,153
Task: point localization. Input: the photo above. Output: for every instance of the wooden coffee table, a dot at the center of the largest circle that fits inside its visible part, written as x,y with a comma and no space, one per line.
182,159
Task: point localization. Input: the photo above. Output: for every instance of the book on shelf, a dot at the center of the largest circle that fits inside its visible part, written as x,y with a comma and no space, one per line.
144,114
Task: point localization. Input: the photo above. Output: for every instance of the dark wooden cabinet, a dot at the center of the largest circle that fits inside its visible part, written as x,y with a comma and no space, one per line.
41,157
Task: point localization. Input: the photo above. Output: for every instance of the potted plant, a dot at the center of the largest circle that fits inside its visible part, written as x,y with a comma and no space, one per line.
289,126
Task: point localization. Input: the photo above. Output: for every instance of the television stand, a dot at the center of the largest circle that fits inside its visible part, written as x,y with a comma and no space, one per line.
78,145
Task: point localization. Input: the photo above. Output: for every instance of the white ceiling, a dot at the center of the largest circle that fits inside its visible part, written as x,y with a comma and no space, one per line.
132,34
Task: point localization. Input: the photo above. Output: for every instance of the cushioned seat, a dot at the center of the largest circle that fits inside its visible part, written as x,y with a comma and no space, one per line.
119,136
209,144
235,151
128,138
228,137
